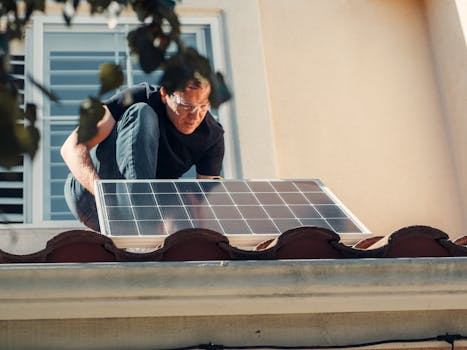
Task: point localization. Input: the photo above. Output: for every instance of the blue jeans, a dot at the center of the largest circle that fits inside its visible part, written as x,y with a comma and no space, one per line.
129,152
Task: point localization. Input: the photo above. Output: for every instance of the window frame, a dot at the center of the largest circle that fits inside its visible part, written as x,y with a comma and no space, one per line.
34,212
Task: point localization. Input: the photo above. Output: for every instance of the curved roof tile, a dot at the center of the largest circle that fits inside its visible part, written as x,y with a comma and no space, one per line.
203,244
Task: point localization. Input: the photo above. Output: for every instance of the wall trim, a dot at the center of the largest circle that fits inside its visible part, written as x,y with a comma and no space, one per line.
155,289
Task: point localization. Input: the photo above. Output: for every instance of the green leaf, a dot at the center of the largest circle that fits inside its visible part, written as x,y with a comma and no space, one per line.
98,6
9,110
68,13
11,159
150,57
14,29
30,113
110,76
4,44
43,89
168,13
219,91
141,43
39,5
10,148
183,67
140,9
90,113
33,5
7,6
34,138
67,18
28,138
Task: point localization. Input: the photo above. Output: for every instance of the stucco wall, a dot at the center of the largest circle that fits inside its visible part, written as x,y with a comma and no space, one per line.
278,330
447,24
246,75
153,305
356,103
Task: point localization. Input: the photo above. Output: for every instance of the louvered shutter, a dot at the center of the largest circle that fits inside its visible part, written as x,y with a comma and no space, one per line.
71,66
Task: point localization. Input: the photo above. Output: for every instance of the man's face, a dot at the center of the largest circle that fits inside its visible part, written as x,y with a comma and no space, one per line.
187,109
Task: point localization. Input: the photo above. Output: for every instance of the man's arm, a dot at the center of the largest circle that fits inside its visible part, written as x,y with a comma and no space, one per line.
211,162
77,157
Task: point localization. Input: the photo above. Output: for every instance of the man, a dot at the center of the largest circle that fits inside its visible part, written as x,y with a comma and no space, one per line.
155,136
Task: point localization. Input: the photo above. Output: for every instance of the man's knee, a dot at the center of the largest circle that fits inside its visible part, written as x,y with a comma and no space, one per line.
81,203
138,128
140,117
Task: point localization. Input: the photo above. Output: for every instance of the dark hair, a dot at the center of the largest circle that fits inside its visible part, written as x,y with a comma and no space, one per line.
194,83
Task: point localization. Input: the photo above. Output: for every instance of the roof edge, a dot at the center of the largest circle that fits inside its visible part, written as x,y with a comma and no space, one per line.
154,289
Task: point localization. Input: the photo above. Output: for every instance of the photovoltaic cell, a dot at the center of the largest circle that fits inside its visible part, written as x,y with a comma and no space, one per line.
139,187
163,187
142,199
146,213
151,227
168,199
232,207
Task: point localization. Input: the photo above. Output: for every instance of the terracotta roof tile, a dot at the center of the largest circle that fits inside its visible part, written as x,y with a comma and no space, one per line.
417,241
461,241
194,244
305,243
202,244
367,242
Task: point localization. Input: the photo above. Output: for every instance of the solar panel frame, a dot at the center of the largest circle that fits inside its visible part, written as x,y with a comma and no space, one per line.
247,211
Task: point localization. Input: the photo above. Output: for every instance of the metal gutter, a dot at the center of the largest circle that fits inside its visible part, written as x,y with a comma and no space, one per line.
154,289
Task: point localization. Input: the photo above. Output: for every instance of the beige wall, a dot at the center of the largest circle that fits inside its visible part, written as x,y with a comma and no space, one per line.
355,102
447,24
171,305
252,126
252,330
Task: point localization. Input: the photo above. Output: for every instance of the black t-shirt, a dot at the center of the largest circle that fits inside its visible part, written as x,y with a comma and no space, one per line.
177,152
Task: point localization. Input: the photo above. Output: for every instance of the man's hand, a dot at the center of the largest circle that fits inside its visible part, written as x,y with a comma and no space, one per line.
209,177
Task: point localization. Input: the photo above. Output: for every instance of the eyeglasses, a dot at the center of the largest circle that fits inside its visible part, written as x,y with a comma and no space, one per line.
188,108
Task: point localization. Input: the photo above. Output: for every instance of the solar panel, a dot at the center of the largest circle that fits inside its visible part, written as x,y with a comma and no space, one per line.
138,211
